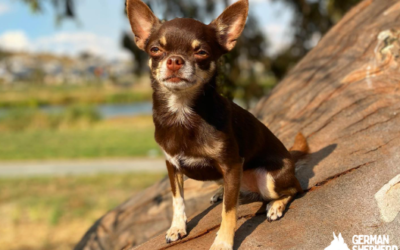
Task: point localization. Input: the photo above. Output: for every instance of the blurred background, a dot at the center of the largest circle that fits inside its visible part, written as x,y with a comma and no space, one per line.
76,132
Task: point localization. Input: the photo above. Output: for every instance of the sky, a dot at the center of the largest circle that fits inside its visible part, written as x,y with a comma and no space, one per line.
99,26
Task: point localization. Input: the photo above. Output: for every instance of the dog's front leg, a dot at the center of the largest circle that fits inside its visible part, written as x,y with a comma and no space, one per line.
178,228
232,179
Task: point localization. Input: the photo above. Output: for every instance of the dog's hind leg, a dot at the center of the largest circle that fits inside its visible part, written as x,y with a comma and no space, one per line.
276,208
278,187
178,228
282,185
279,199
219,195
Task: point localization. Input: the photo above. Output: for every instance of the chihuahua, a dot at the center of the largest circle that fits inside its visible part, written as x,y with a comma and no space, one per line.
204,135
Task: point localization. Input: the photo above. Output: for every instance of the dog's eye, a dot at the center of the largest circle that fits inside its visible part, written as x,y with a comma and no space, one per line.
201,53
155,51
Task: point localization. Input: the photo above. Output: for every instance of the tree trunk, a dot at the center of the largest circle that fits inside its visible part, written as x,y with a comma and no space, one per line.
345,97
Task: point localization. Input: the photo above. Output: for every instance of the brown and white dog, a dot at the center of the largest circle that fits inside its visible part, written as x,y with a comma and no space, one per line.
205,136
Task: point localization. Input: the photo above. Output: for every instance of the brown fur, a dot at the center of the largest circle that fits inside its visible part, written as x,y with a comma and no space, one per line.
204,135
299,148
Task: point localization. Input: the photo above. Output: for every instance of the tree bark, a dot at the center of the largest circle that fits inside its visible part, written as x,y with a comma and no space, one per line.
345,97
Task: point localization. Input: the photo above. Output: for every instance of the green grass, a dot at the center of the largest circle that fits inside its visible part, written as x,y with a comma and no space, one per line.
124,137
54,212
21,119
51,199
41,95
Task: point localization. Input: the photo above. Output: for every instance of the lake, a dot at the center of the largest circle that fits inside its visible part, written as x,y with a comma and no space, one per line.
106,111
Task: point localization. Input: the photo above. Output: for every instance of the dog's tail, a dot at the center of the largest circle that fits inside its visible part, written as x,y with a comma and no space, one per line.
300,147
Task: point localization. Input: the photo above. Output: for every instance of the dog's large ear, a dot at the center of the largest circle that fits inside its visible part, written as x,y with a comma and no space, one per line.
230,24
142,21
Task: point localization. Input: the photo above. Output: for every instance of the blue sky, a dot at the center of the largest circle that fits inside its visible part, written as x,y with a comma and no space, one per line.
99,26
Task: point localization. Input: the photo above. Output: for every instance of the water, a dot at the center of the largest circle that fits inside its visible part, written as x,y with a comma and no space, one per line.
107,111
110,111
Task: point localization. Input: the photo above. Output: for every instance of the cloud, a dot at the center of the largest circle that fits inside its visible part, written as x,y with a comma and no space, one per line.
14,41
71,43
4,8
64,43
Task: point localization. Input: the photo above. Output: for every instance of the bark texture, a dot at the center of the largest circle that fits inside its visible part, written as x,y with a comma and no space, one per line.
345,97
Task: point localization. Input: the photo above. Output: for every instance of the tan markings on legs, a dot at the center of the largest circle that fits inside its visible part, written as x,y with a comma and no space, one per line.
271,187
289,192
226,233
225,237
178,226
276,208
163,41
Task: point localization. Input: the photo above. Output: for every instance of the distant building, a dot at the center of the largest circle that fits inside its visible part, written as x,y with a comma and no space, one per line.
58,70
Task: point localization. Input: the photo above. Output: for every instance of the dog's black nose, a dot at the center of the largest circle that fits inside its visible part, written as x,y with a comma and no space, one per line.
174,63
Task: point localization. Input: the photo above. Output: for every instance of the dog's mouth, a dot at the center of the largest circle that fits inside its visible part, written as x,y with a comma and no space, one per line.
175,79
176,83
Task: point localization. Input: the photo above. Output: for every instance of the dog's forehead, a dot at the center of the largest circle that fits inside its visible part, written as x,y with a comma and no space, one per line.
184,32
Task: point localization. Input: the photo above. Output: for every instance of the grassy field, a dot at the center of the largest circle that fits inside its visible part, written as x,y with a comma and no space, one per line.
54,213
119,137
41,95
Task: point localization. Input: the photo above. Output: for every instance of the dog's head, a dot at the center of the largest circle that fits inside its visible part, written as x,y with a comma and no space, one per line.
184,52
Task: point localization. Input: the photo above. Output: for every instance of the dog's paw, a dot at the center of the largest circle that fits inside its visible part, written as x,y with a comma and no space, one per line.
220,245
218,196
174,234
275,210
